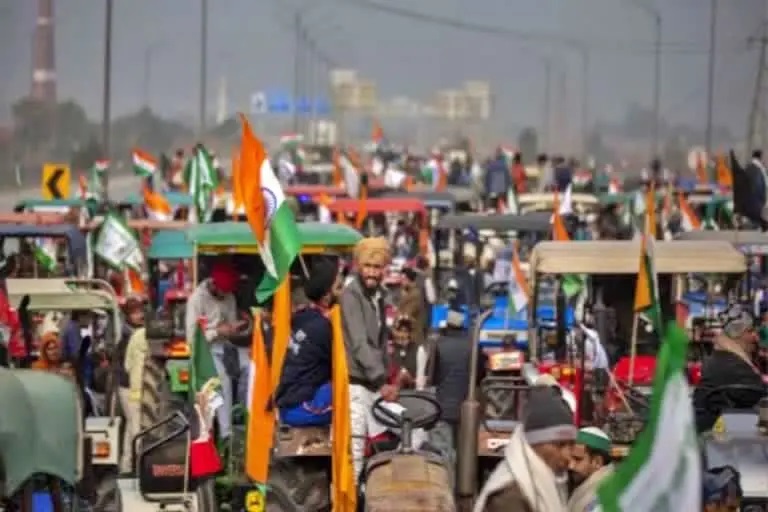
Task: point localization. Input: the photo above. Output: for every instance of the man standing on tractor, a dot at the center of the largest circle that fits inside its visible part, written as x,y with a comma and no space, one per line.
365,338
450,372
590,465
531,475
304,395
213,301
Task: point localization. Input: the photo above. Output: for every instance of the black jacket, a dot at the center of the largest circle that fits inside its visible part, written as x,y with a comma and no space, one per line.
450,371
720,370
308,358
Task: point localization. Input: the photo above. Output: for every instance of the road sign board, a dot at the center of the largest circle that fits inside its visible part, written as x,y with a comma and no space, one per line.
279,102
56,181
259,103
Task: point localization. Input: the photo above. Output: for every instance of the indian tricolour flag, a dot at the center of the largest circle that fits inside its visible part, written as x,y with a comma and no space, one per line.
688,218
519,290
663,469
270,216
100,166
144,164
646,290
156,205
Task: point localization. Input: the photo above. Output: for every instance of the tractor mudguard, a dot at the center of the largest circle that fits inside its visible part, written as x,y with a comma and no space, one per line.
178,374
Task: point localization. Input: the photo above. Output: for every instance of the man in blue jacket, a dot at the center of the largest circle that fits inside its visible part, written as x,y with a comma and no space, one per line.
498,179
304,394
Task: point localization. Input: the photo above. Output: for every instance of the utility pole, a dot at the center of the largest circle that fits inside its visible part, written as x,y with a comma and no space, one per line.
203,63
756,129
547,124
585,103
106,119
297,65
711,75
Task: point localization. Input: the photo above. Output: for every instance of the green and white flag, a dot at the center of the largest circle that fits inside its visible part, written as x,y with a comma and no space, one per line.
201,180
45,253
281,238
116,243
662,472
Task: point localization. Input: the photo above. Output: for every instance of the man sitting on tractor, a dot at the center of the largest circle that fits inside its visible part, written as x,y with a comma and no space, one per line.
590,465
304,395
730,364
364,328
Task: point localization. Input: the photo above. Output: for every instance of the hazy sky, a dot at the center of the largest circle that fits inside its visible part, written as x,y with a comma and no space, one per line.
251,43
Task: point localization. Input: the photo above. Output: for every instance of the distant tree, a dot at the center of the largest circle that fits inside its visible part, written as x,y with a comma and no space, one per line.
146,130
84,157
675,153
528,145
33,124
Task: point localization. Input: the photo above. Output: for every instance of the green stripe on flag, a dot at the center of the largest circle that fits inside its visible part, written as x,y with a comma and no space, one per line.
284,245
662,471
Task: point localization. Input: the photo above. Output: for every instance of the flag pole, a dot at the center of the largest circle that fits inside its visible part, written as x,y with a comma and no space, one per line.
633,348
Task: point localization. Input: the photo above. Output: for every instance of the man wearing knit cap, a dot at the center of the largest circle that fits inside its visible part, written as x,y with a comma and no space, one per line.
214,301
532,476
731,363
363,325
590,465
304,394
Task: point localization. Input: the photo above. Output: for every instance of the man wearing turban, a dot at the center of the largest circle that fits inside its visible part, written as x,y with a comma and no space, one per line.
214,300
364,329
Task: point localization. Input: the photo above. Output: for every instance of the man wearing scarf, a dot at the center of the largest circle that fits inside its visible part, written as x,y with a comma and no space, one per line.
730,364
590,464
363,327
532,476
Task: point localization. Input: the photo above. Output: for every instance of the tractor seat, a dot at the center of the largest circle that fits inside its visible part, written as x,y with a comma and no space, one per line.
408,482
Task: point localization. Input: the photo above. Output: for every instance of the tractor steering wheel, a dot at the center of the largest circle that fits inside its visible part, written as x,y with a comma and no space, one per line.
422,409
497,289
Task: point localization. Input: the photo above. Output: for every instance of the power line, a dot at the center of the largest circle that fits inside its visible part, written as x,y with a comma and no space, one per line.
537,37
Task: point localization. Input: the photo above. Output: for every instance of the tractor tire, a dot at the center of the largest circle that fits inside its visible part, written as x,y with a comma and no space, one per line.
108,498
298,485
155,394
206,497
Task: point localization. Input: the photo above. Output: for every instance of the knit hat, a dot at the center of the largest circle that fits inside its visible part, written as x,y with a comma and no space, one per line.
224,277
736,320
594,438
321,278
548,419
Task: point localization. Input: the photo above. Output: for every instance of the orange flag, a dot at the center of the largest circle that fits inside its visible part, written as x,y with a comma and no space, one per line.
135,282
362,211
281,325
377,132
156,205
237,190
650,210
261,416
344,489
338,174
252,157
701,170
724,176
559,232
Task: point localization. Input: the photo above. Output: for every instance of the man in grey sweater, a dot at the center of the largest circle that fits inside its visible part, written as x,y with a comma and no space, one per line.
364,329
213,300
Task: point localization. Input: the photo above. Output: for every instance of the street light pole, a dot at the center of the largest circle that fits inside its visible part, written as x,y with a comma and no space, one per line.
656,85
585,102
106,119
297,26
711,75
203,64
547,121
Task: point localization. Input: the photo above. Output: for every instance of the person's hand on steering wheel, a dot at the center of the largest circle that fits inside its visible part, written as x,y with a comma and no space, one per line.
389,392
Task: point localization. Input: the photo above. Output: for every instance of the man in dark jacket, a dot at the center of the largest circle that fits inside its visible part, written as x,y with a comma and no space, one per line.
364,328
304,393
729,365
449,369
498,179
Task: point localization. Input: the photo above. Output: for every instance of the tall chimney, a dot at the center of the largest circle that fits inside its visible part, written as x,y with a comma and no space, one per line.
44,71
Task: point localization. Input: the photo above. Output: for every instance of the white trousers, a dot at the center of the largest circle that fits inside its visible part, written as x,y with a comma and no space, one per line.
224,413
132,413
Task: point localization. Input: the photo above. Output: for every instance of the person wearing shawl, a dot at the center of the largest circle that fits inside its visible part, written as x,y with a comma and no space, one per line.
365,339
730,364
590,465
532,476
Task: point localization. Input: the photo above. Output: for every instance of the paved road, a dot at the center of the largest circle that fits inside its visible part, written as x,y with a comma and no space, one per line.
119,188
